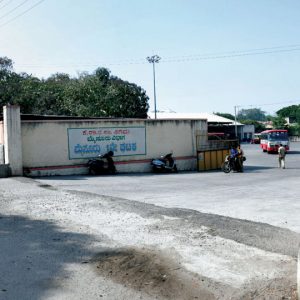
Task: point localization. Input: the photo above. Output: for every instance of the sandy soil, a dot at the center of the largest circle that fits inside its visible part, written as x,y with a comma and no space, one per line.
64,244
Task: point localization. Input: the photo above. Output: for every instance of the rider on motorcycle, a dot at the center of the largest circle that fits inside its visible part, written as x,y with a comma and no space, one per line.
233,156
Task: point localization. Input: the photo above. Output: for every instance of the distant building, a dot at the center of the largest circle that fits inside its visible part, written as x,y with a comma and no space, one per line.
267,124
215,123
290,120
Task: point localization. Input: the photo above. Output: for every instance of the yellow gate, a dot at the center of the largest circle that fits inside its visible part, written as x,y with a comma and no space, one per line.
211,159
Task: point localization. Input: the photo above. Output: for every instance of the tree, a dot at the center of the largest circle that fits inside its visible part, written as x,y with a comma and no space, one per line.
102,95
294,130
9,85
255,114
89,95
52,95
6,64
28,94
292,111
225,115
279,123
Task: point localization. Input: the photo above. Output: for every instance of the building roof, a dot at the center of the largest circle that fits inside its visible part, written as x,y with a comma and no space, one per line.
211,118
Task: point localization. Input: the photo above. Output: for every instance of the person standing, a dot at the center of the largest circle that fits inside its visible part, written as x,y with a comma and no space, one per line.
281,156
240,158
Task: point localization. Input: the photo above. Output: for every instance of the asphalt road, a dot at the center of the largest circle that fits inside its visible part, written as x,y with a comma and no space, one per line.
263,193
189,235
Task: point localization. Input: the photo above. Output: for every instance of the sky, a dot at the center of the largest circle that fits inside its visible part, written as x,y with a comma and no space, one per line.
215,54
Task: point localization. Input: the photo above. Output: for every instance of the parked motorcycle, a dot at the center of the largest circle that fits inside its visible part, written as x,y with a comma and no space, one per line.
228,164
104,164
164,164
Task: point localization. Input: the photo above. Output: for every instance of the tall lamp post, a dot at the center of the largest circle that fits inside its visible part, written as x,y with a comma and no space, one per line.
235,125
153,60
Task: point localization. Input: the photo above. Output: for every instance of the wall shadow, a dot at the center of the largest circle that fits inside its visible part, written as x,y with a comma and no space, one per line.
33,254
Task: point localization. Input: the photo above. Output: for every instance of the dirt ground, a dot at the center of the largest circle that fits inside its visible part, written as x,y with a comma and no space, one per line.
58,243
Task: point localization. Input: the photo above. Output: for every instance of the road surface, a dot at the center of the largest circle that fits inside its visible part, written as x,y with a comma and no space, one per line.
189,235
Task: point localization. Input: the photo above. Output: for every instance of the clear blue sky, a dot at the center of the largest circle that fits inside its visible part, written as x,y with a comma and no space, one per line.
207,48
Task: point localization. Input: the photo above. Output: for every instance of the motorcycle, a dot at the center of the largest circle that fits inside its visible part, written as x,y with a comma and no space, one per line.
164,164
230,164
104,164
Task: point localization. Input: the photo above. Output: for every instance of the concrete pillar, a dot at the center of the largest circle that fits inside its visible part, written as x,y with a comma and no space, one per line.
298,276
13,139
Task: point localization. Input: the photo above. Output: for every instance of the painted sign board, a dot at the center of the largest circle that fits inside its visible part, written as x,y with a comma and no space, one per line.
91,142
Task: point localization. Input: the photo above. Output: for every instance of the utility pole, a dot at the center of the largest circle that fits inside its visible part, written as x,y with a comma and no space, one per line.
235,122
153,60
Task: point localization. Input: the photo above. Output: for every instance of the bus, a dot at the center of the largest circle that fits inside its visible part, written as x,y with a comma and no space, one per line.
271,139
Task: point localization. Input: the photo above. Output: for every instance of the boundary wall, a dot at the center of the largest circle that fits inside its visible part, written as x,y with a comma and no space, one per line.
1,145
62,147
1,133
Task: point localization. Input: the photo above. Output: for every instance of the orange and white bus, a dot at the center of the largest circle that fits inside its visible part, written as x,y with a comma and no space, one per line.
271,139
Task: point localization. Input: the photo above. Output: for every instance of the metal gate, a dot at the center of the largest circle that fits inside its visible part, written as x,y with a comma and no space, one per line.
211,154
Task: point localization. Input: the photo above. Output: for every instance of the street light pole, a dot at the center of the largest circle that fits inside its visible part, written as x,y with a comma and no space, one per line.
235,125
154,59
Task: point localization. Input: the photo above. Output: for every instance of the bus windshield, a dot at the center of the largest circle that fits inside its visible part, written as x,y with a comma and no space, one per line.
277,136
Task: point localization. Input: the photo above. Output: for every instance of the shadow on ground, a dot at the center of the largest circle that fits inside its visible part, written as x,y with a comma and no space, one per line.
293,152
253,169
33,255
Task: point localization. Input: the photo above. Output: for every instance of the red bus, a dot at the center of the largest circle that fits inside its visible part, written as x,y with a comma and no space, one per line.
271,139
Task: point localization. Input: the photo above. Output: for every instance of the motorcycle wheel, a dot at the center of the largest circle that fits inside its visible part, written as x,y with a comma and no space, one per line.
113,170
226,168
92,171
155,170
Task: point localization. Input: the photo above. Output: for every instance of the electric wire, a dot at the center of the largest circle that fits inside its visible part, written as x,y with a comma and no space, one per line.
236,52
21,14
266,104
174,59
12,10
3,6
191,58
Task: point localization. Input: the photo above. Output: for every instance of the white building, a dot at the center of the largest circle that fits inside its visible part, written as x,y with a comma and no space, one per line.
215,123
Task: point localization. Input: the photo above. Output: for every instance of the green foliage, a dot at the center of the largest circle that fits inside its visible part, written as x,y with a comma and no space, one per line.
6,64
292,111
90,95
279,123
294,130
255,114
225,115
